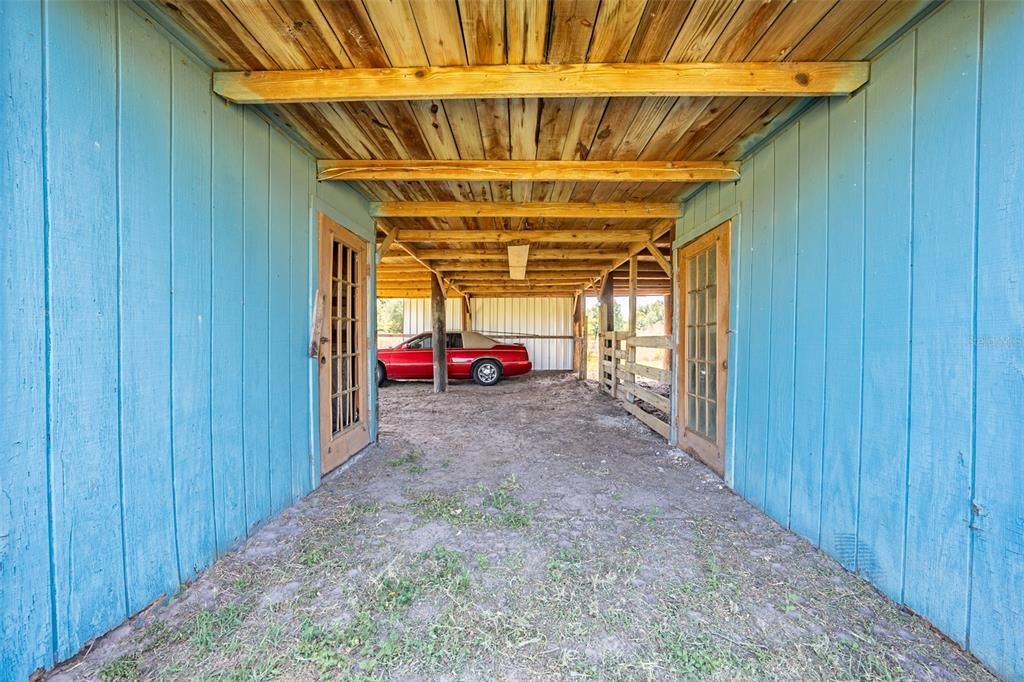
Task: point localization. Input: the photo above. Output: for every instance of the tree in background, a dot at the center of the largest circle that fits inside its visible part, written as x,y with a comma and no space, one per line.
651,318
390,315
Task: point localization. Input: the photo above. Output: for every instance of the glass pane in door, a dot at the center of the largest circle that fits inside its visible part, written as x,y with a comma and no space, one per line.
701,349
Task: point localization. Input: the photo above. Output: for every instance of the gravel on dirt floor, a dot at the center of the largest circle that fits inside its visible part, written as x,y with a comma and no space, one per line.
530,530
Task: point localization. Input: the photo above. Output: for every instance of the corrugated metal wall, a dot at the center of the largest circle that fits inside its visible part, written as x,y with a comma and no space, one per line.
546,316
877,407
417,315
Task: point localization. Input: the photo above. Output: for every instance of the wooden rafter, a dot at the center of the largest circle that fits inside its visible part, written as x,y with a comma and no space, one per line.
530,209
660,259
535,254
385,246
415,256
777,79
508,236
527,170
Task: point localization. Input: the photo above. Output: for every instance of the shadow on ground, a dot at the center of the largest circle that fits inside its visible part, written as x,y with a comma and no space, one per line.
528,530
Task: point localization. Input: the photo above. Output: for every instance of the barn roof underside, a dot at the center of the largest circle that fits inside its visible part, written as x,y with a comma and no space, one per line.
272,35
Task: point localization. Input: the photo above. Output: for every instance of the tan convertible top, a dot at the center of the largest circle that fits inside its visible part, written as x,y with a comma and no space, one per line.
475,340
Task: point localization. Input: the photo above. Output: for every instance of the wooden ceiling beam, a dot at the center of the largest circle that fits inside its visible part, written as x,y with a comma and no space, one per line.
509,236
533,209
515,81
535,254
499,170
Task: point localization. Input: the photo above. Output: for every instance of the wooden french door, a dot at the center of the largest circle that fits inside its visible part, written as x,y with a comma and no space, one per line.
343,360
702,291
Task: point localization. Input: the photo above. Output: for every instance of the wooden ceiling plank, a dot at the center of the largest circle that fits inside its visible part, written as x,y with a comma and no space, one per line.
781,79
616,27
620,210
598,171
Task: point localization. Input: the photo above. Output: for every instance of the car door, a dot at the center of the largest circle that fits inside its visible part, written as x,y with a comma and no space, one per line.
460,360
414,360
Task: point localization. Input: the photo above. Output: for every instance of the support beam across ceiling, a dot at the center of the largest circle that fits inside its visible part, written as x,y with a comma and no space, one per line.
508,209
509,236
425,170
707,79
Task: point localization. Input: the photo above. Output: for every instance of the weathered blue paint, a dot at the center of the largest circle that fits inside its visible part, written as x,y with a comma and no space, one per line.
155,389
25,607
997,579
906,381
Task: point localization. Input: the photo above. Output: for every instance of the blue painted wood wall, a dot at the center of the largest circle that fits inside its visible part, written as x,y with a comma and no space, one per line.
877,387
156,274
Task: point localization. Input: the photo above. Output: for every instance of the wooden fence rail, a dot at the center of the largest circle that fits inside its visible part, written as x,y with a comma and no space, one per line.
619,370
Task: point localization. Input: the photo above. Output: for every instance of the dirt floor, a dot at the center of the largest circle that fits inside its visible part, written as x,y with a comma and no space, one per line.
530,530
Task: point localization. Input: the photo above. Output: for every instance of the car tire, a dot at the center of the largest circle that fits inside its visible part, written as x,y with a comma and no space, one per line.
487,372
382,374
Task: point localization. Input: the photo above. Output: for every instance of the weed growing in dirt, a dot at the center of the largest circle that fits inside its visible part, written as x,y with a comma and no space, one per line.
121,669
408,462
452,509
311,556
514,513
565,563
209,628
697,657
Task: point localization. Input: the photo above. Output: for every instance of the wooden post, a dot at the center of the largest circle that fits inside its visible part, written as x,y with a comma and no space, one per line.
467,315
666,362
606,340
438,335
579,326
630,349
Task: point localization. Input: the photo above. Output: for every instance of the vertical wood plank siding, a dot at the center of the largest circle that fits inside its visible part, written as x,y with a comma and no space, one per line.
154,320
880,237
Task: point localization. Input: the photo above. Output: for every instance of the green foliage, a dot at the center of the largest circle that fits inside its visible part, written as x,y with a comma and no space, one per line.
390,315
121,669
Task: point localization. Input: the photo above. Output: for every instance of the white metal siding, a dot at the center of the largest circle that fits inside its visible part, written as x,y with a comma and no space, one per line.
417,315
547,316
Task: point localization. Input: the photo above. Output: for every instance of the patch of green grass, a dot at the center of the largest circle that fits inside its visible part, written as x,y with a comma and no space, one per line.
651,516
483,562
408,462
155,635
514,512
210,627
712,574
443,570
848,660
395,593
352,651
450,508
312,556
121,669
565,563
256,667
695,658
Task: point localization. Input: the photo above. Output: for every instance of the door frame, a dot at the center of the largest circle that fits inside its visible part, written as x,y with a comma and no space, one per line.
714,455
334,451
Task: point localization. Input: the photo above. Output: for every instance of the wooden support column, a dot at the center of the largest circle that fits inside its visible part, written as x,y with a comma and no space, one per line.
631,349
606,331
579,325
467,314
666,361
438,335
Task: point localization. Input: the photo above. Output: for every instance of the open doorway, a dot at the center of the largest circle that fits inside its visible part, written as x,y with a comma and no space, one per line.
650,321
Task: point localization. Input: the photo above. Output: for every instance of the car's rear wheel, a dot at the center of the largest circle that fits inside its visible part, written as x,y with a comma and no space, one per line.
382,374
486,372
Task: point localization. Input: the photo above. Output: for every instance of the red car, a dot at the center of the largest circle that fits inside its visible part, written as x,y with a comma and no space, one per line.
470,356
